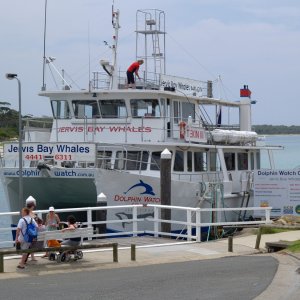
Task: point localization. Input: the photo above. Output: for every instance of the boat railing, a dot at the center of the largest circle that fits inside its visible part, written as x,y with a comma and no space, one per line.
213,176
38,123
186,225
101,80
148,81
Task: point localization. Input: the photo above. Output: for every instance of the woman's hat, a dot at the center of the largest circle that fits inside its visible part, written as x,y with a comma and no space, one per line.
51,208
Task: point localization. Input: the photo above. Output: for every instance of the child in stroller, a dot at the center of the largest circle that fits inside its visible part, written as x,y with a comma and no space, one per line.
67,255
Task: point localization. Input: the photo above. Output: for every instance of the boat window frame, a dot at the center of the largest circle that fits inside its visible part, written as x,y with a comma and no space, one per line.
139,109
68,114
242,162
85,103
179,161
118,116
230,160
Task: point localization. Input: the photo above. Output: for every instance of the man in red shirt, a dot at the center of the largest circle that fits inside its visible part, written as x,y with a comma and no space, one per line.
133,68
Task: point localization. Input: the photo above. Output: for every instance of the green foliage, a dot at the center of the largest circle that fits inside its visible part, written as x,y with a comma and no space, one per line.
276,129
295,247
9,122
271,230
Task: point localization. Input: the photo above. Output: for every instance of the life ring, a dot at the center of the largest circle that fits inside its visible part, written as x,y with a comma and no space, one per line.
182,126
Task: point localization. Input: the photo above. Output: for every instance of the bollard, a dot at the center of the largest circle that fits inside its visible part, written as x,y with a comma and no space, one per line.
258,237
230,243
100,215
165,188
1,263
115,252
133,252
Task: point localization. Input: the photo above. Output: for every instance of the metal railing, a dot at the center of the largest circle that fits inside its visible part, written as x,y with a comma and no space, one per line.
187,224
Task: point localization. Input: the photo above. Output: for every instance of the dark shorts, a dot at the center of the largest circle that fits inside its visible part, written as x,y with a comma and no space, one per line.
130,77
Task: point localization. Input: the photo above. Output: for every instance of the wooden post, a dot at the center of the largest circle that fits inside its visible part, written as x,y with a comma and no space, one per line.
258,237
101,214
1,263
230,243
133,252
115,252
165,188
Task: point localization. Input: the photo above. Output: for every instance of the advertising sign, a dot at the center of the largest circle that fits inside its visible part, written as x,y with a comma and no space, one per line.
57,151
185,85
195,134
279,189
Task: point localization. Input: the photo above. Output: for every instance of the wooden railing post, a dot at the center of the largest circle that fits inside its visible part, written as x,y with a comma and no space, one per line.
1,263
133,252
230,243
258,237
115,252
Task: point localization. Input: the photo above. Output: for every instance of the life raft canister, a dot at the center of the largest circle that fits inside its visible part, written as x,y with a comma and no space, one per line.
182,126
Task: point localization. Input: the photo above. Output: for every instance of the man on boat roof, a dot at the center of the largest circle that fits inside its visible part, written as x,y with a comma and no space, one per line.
133,68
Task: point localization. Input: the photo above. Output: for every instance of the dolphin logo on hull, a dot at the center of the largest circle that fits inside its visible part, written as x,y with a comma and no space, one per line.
148,188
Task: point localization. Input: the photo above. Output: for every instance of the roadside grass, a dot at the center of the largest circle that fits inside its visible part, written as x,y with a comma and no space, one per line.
294,247
270,230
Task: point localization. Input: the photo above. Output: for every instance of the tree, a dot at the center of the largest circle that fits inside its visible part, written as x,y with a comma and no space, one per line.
8,121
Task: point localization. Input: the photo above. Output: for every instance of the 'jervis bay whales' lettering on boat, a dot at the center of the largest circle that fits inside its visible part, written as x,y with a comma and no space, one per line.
95,129
148,188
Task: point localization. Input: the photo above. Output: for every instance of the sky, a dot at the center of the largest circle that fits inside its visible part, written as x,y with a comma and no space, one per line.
252,42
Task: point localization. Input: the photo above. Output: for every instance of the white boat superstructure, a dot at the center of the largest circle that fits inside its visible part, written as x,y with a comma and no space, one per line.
108,139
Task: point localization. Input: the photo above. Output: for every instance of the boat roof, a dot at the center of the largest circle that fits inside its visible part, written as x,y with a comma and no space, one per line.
185,145
139,93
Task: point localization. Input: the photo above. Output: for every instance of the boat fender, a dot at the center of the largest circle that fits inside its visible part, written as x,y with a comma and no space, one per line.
182,126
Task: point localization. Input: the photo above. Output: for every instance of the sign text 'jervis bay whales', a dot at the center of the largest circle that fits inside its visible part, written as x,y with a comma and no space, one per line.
57,151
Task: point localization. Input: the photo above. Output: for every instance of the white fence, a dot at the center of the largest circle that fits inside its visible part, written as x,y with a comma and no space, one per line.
188,221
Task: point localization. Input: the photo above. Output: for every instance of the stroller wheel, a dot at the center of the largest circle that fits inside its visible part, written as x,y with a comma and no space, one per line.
61,257
52,256
58,258
79,254
68,257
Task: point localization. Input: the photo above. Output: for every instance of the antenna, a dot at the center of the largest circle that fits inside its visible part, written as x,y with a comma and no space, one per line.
89,46
44,57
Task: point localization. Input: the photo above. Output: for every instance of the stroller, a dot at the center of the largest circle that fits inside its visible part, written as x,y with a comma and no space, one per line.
64,255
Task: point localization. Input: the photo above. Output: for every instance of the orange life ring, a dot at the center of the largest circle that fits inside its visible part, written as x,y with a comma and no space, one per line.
182,126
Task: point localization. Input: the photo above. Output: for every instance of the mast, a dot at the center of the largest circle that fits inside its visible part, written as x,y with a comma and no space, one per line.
114,69
44,56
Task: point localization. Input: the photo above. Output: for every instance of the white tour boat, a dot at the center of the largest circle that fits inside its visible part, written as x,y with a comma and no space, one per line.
109,139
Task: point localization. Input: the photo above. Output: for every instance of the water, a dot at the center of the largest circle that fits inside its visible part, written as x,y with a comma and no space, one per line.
288,158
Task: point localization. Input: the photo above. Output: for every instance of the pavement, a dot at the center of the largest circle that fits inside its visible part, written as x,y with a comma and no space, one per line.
151,251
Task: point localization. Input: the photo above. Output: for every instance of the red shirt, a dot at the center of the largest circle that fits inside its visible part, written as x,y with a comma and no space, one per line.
134,67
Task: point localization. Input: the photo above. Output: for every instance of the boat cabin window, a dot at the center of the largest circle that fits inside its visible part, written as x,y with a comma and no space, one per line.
188,109
242,161
155,161
214,164
258,160
60,109
182,111
85,109
179,161
144,108
252,161
104,159
131,160
113,109
200,164
176,112
229,160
